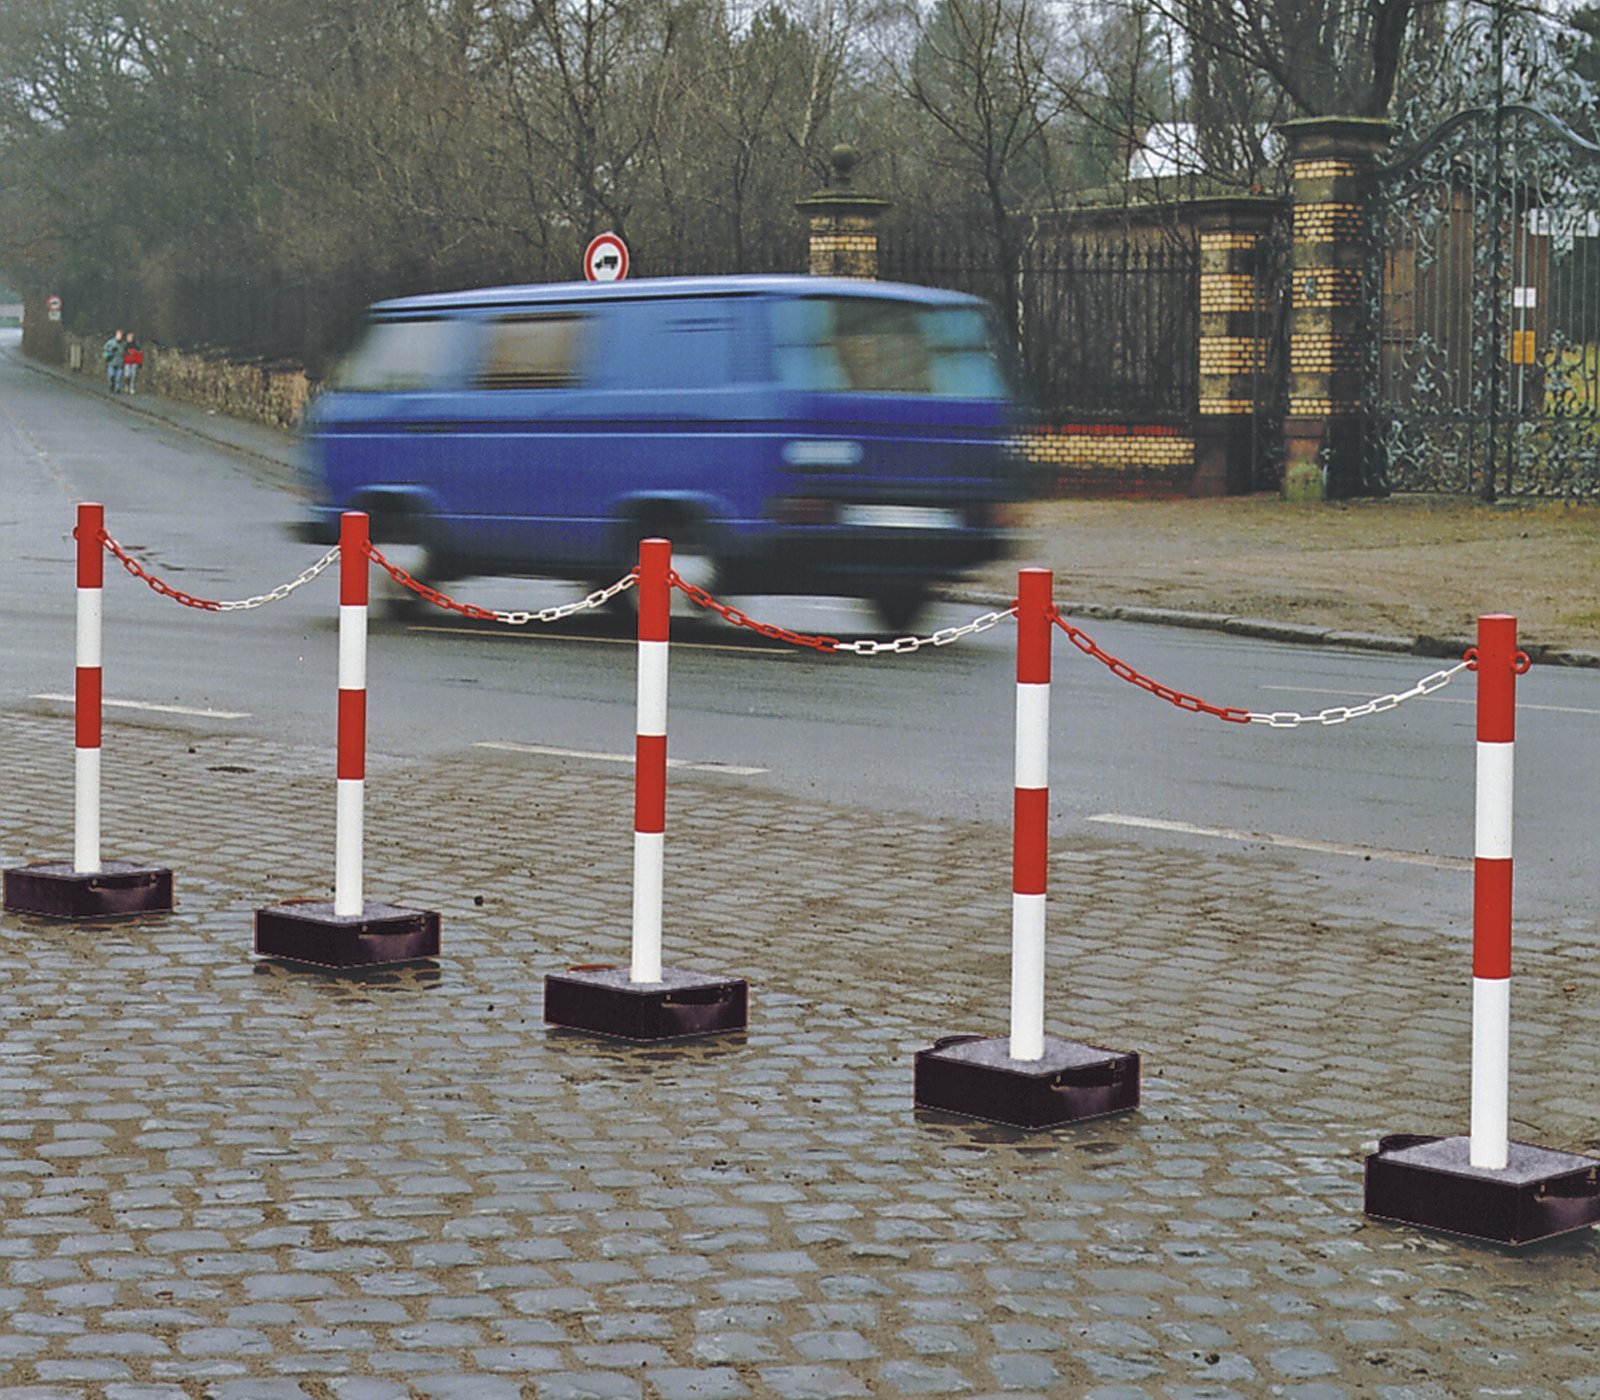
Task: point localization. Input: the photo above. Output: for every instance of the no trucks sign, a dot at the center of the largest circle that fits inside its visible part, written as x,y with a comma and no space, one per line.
605,259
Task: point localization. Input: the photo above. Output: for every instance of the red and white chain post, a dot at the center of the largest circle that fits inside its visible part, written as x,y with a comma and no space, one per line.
348,897
650,759
1498,663
1030,814
87,691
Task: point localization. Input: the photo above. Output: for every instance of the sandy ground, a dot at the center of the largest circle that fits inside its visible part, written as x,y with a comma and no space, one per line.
1407,565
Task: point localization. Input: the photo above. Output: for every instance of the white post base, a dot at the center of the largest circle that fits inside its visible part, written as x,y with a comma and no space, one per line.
649,874
1491,1056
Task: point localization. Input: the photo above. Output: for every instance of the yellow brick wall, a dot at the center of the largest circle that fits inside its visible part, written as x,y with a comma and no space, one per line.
1116,458
1231,291
1323,352
1327,223
1300,407
1327,286
1233,354
1325,169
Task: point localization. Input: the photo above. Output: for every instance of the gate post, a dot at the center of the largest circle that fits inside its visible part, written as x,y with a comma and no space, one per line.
1238,318
842,224
1333,159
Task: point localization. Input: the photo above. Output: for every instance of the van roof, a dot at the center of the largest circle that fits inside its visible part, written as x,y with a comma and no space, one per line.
647,288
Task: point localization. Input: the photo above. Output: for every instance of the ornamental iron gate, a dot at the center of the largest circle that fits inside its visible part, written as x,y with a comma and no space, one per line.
1483,371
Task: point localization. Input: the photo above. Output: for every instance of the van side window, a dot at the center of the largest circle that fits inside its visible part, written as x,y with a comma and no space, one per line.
666,345
862,345
533,352
395,357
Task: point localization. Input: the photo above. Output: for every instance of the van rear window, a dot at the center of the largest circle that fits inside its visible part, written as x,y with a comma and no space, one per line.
532,352
868,345
395,356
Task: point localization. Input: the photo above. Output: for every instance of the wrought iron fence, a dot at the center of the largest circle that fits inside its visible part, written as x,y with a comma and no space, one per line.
1485,374
1106,319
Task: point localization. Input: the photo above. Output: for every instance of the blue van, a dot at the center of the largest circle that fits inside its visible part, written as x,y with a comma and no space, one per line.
787,434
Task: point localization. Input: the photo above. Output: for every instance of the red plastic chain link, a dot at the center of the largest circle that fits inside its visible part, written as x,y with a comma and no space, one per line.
422,590
1086,644
731,614
166,590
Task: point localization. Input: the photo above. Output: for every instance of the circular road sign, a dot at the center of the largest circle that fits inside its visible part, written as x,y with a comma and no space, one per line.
605,259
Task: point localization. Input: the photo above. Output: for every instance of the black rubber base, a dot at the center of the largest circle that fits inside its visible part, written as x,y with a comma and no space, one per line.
310,932
1429,1181
602,999
977,1078
119,890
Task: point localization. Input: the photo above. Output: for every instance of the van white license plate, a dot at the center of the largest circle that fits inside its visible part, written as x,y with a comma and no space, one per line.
900,517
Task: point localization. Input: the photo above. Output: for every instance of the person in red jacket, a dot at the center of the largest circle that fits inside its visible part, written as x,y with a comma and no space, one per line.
132,358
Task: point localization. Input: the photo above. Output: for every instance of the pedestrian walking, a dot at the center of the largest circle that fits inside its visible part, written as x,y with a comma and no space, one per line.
132,358
111,353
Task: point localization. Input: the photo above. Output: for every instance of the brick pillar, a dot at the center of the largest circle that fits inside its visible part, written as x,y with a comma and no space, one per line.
1237,319
843,223
1332,159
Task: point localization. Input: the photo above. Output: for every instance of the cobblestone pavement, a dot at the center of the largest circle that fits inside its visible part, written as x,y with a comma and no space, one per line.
221,1177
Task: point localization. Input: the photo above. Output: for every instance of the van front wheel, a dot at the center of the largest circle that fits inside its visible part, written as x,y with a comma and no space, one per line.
692,559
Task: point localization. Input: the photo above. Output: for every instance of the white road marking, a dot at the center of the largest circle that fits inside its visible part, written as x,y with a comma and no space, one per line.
1296,843
156,709
507,634
551,751
1438,699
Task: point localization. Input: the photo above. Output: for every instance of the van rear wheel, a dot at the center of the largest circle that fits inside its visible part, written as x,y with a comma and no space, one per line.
899,609
394,599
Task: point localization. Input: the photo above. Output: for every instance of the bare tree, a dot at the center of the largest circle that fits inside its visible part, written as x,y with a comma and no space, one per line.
1329,57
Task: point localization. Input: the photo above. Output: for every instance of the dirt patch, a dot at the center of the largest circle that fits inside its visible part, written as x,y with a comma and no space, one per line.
1412,566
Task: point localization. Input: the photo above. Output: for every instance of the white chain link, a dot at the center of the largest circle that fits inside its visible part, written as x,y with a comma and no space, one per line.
943,637
598,599
283,590
1339,714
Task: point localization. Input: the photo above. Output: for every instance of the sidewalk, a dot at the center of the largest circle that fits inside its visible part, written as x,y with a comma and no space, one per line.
225,1178
229,1179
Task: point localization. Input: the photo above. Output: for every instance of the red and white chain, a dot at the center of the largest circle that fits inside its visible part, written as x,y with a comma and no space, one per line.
1339,714
1192,703
598,599
728,613
189,600
520,618
832,645
1278,719
900,646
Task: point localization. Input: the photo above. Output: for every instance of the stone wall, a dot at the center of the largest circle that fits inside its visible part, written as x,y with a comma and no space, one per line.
274,394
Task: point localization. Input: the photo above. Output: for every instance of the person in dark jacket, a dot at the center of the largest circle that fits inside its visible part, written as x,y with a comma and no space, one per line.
111,353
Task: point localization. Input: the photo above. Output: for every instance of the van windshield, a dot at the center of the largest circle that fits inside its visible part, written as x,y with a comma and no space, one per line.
395,356
869,345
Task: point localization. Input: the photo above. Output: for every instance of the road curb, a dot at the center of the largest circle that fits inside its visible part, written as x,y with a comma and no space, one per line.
1296,633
